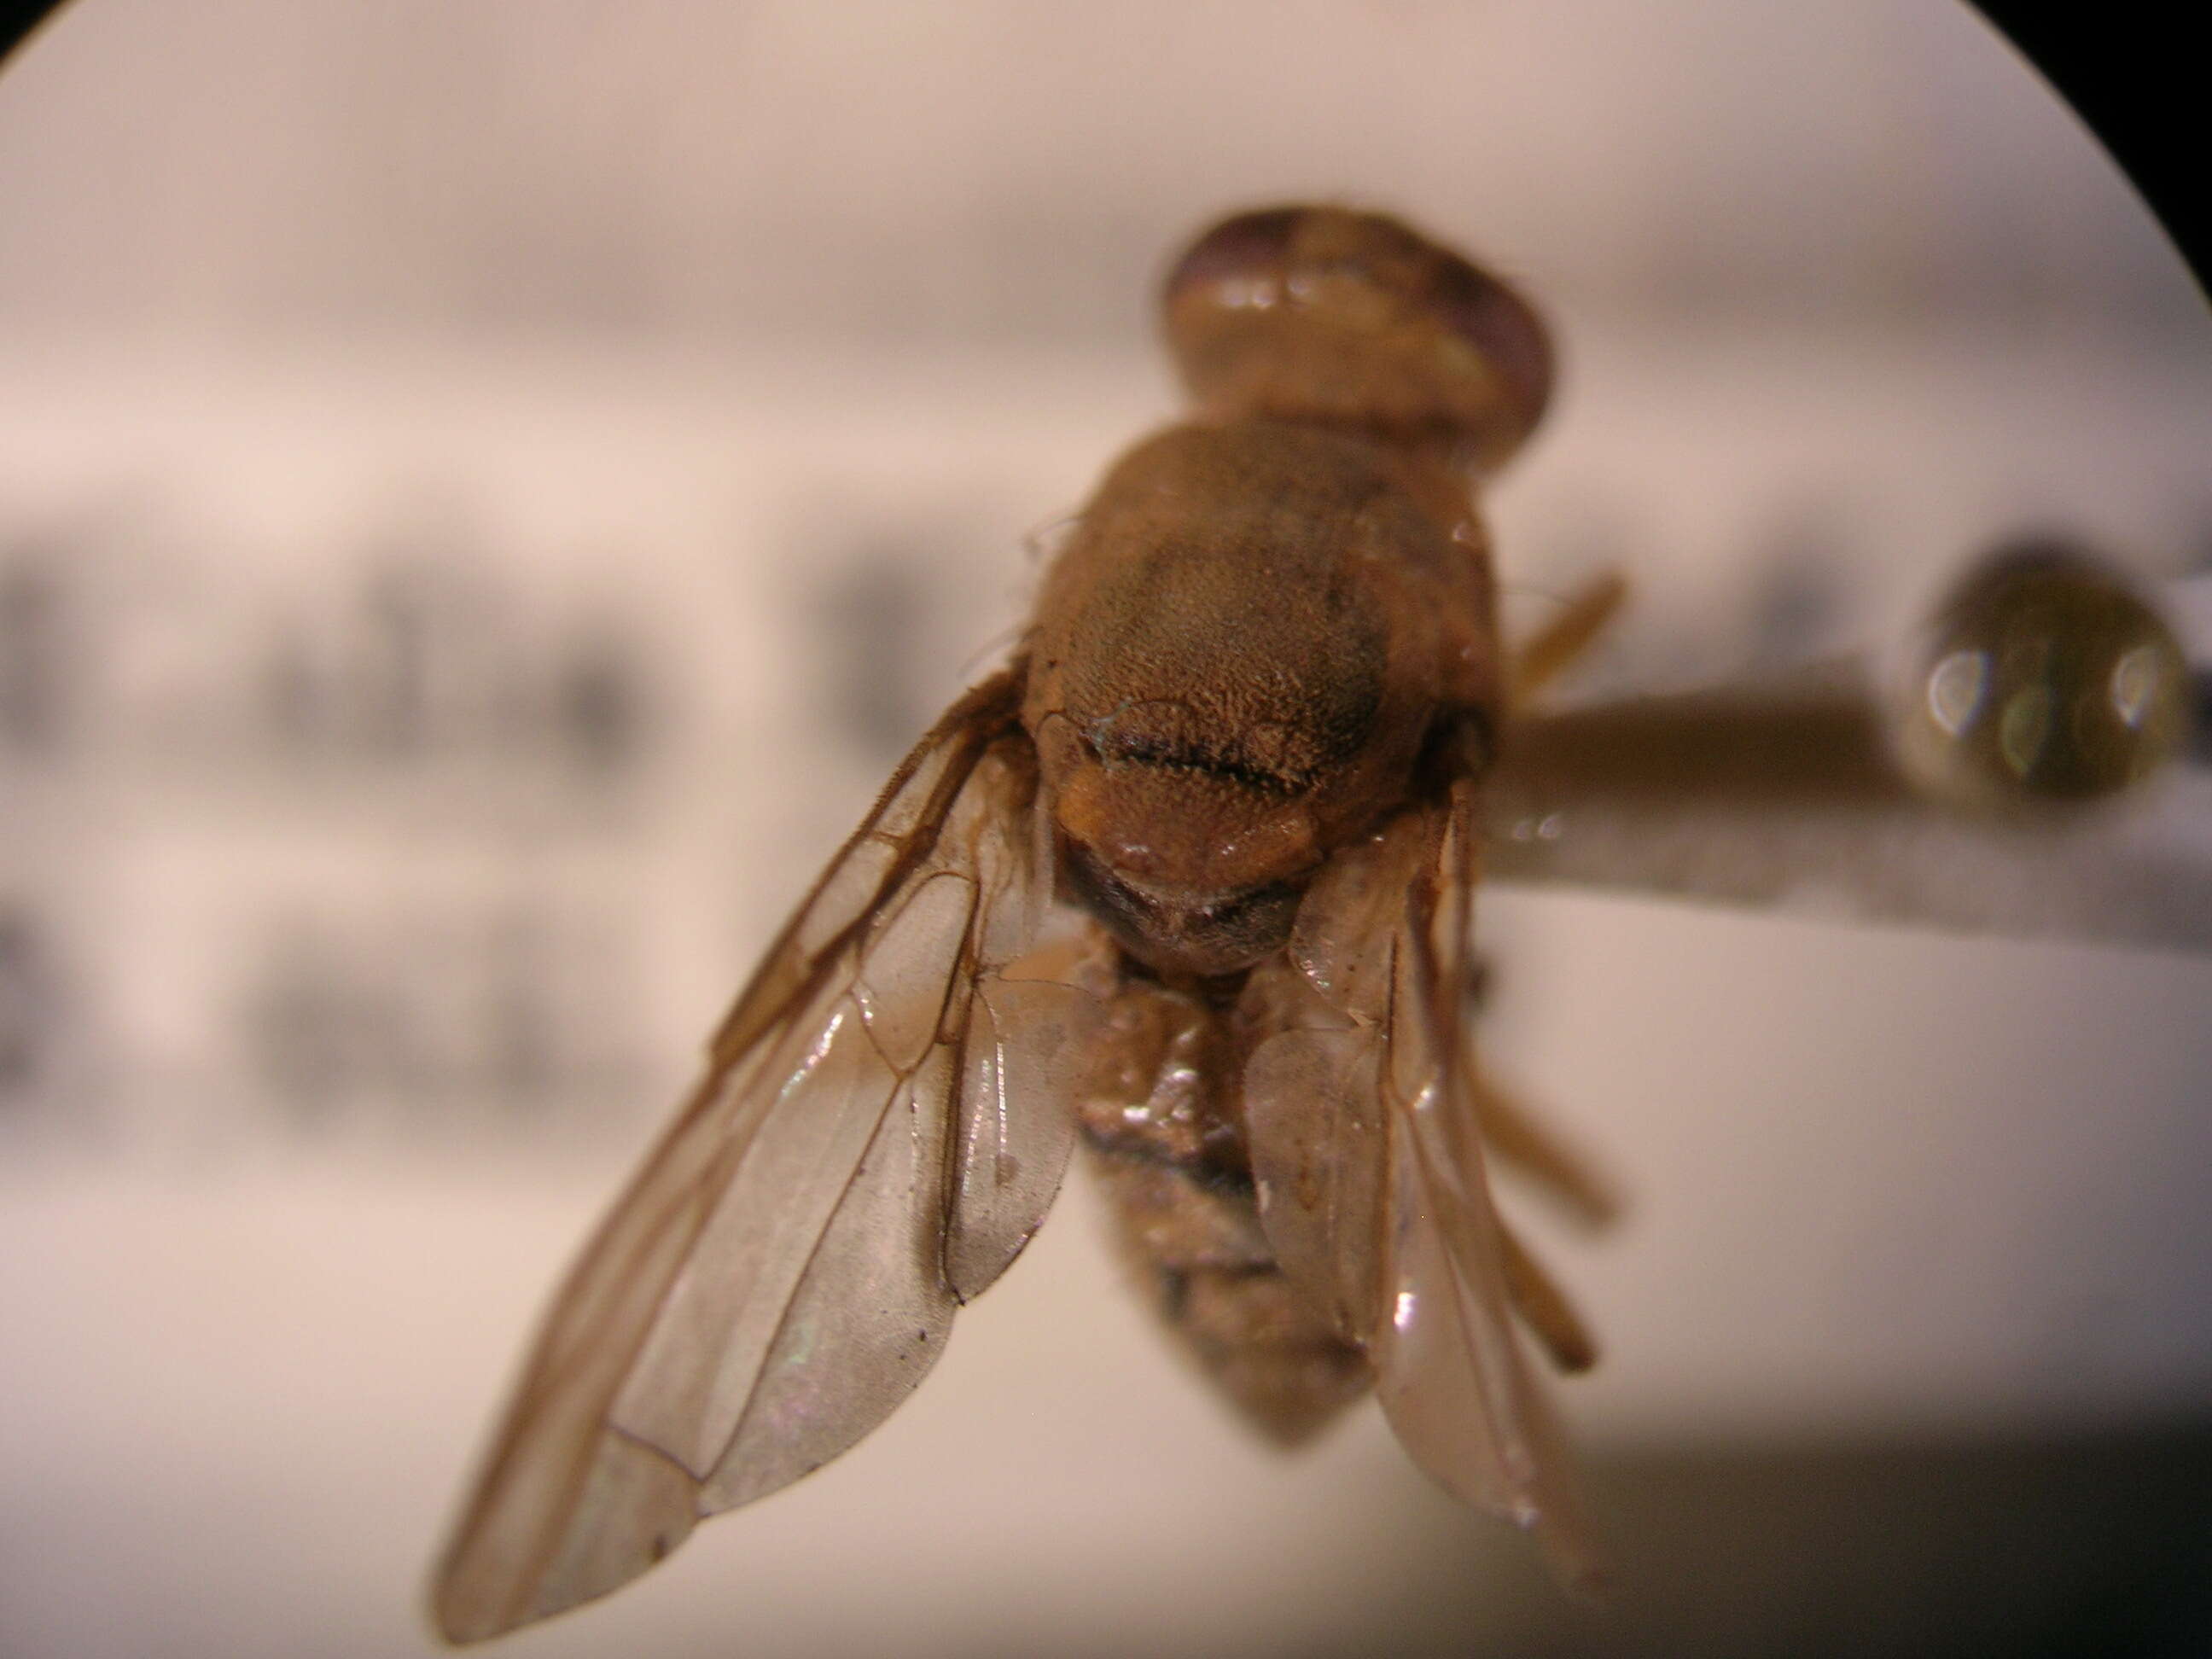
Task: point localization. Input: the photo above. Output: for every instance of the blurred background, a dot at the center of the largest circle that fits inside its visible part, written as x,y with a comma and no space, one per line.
488,491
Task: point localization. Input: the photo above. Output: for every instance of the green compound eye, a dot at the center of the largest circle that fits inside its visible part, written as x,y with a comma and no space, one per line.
2045,679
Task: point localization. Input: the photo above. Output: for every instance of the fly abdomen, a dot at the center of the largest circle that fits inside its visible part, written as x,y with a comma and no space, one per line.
1158,1113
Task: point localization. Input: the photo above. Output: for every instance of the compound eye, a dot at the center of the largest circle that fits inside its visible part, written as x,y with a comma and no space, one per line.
1251,249
1326,312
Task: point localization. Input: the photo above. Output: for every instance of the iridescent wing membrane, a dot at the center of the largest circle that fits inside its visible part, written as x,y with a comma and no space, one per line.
782,1271
889,1108
1362,1110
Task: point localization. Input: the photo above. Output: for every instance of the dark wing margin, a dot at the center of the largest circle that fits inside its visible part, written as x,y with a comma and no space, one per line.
1362,1111
880,1129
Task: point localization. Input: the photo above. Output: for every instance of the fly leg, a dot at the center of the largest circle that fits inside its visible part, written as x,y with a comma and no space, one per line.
1562,1171
1518,1136
1509,1130
1551,649
1544,1307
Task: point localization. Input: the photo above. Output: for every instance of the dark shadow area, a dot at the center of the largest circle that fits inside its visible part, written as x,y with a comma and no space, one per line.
2099,1545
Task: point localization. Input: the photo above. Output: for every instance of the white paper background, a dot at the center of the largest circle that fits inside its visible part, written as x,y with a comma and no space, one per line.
419,353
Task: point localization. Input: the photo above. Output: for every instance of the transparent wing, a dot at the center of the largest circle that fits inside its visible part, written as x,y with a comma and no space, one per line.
1363,1121
1787,795
880,1128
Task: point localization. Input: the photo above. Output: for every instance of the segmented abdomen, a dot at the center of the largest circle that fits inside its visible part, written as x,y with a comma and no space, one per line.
1159,1111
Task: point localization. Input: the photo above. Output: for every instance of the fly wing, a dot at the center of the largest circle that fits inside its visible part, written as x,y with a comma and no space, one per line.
1449,1369
1788,795
1361,1111
880,1128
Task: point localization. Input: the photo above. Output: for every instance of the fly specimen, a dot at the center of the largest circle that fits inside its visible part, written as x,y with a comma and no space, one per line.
1188,880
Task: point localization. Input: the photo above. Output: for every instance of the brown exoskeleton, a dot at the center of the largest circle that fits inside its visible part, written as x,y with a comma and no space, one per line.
1251,744
1263,679
1242,741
